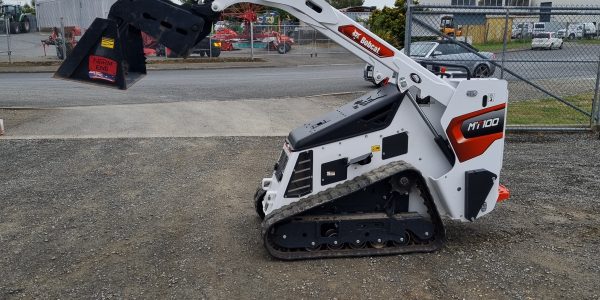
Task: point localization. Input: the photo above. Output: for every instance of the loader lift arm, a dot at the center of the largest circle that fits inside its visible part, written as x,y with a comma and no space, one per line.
180,27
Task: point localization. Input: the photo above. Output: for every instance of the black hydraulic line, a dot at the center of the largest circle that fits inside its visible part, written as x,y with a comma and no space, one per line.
426,63
439,140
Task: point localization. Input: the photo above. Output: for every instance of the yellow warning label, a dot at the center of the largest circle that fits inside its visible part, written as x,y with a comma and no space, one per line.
375,148
108,43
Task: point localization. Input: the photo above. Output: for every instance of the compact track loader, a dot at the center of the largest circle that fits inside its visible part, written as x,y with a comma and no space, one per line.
376,176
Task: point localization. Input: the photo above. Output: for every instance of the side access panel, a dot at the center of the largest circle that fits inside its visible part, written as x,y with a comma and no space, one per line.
369,113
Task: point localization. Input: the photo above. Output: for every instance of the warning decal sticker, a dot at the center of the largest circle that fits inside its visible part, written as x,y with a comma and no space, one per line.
107,43
102,68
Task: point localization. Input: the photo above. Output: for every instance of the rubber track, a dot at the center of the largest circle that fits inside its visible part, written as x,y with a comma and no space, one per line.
344,189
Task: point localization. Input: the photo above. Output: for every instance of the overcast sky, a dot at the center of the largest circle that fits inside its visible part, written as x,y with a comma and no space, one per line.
378,3
15,2
22,2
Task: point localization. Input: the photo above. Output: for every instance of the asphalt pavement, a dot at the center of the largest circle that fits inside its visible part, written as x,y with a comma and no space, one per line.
574,61
40,90
573,72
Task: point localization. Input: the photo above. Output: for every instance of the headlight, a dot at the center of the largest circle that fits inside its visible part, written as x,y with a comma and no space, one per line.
217,44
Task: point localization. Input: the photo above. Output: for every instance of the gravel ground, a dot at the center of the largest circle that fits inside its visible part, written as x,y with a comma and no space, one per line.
172,218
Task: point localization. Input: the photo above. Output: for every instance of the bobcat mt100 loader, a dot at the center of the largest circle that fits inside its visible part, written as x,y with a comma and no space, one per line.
374,177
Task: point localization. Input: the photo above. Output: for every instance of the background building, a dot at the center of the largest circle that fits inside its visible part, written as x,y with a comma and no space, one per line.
74,12
83,12
359,14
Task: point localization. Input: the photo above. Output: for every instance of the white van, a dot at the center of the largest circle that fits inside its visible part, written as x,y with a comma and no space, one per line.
579,30
521,30
540,27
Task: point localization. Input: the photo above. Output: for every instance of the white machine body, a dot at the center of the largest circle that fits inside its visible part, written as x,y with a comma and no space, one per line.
446,182
451,104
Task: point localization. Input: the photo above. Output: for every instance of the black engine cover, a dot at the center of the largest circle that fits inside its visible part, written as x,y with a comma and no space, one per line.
371,112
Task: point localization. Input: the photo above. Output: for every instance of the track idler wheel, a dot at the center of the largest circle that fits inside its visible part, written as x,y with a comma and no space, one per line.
335,245
402,241
379,244
358,244
314,247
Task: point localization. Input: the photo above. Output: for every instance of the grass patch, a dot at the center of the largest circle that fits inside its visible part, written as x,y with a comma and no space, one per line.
498,46
550,111
586,41
31,63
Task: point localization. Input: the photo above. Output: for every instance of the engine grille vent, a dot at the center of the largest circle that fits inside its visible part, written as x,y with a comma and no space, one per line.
301,181
280,165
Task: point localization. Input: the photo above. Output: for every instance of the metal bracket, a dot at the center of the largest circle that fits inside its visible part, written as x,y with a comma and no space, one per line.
361,160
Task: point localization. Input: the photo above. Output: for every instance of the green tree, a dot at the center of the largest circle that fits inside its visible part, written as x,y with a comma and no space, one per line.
345,3
388,23
29,9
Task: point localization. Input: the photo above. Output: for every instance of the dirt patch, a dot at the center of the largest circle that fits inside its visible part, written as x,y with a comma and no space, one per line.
158,218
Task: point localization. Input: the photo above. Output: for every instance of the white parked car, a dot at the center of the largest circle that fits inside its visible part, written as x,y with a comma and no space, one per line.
546,40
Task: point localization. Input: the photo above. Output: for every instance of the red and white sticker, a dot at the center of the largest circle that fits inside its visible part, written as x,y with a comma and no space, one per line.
102,68
472,134
103,64
366,41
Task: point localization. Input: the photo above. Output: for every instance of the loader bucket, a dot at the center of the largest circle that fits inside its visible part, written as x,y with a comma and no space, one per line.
106,56
111,52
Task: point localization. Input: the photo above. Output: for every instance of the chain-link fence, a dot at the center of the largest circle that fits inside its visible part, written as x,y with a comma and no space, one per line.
228,40
37,47
550,56
5,37
248,39
301,40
